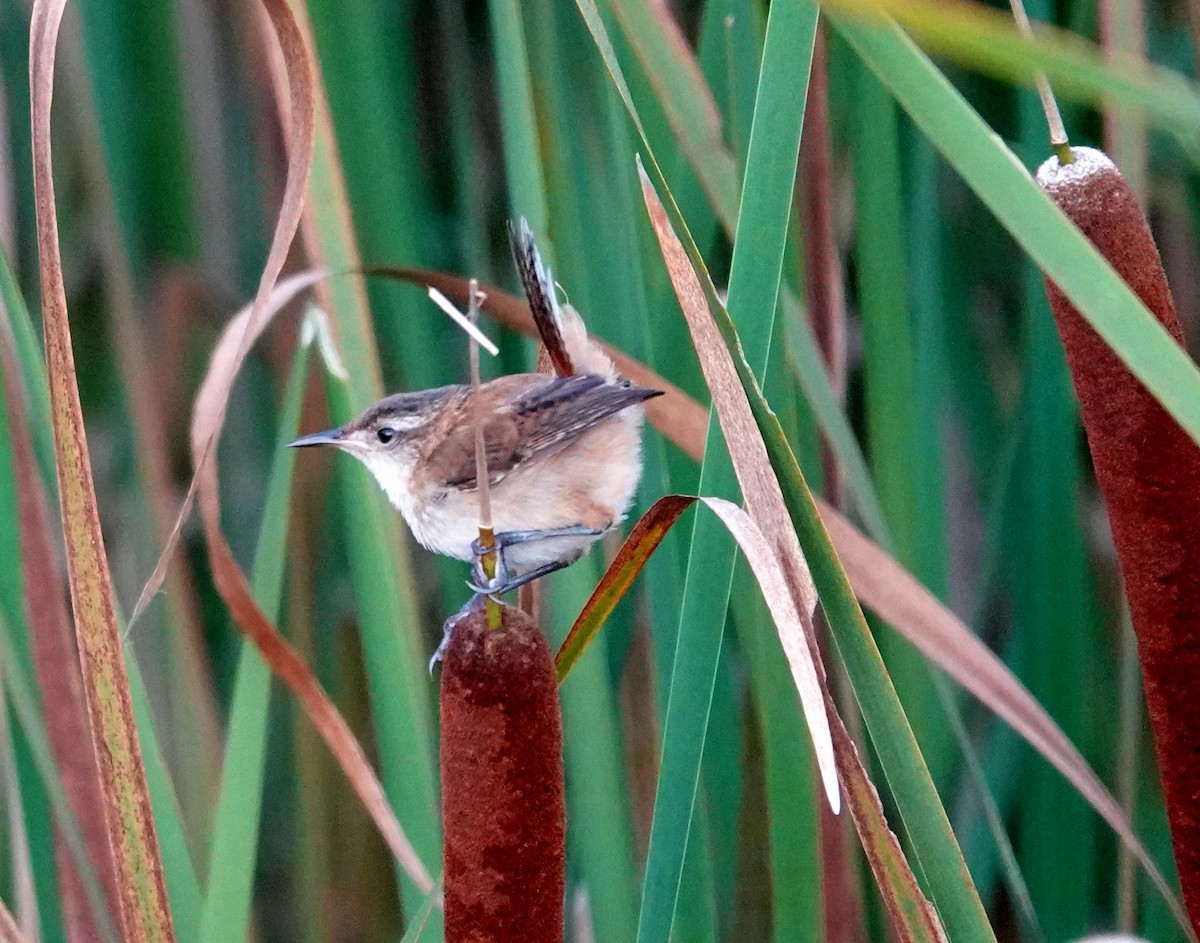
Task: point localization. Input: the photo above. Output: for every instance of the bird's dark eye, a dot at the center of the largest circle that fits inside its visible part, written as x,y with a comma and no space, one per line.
386,434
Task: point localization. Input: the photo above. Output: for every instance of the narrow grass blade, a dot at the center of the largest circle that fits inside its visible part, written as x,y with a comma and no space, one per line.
642,541
384,587
813,379
144,911
890,383
953,893
987,39
183,886
794,812
372,55
763,558
526,188
236,823
753,291
662,51
1051,585
1058,248
747,454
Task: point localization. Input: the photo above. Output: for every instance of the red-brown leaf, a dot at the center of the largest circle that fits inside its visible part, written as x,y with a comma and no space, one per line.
142,893
239,335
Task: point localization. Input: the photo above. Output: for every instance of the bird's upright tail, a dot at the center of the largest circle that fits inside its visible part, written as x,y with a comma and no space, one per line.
564,336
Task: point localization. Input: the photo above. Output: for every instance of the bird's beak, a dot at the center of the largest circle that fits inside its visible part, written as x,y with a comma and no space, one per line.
328,437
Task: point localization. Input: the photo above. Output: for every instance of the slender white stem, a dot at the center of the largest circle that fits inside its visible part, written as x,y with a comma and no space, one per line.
466,324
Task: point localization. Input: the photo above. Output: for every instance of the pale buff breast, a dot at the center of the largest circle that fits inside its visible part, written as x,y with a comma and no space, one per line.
591,483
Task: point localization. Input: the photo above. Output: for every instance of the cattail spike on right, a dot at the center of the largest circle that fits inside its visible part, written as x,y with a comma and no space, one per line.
1148,469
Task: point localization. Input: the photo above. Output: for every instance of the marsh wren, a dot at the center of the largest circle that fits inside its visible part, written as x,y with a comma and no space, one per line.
563,452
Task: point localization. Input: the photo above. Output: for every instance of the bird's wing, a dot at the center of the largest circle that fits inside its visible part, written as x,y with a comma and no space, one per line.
454,456
538,422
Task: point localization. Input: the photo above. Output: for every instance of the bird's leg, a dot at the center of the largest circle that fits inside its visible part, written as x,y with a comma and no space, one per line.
479,578
494,589
503,582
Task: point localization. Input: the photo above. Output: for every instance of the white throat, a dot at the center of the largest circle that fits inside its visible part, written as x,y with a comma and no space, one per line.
394,477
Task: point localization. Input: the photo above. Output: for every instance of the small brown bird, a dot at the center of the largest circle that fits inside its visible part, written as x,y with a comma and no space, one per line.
563,452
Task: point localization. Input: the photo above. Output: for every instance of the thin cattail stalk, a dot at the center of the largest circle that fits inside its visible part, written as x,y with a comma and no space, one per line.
487,536
1059,142
1123,32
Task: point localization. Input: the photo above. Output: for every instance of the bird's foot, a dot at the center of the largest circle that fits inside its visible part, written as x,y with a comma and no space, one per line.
497,585
448,628
503,580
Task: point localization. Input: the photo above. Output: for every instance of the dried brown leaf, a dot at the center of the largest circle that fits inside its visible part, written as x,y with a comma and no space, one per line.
241,333
9,931
760,487
300,127
142,891
913,916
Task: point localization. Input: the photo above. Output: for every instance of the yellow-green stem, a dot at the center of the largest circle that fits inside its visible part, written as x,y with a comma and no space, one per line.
487,540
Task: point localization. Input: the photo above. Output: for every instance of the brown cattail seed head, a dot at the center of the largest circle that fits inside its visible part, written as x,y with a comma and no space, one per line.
503,803
1149,471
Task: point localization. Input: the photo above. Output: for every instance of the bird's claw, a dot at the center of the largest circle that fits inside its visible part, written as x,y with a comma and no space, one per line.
448,629
440,651
490,588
